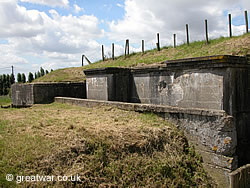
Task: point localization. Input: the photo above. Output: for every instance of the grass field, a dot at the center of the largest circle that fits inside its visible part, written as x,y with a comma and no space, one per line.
5,100
239,46
105,146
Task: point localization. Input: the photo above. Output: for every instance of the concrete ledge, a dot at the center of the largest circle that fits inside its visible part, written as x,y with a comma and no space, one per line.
140,107
218,61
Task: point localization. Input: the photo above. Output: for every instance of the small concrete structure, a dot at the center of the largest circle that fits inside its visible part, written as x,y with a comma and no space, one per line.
207,83
24,95
110,84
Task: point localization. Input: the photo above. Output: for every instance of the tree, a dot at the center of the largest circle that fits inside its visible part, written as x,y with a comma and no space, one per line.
51,70
31,77
23,79
4,79
1,85
5,89
46,72
42,71
8,80
12,79
5,85
19,78
38,74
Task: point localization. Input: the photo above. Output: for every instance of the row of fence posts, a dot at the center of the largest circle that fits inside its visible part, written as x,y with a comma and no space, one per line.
174,37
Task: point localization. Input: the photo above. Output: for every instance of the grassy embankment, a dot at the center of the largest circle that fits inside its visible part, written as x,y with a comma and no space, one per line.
223,46
119,148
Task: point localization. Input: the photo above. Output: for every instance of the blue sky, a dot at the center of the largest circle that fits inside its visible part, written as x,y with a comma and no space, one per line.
55,33
104,10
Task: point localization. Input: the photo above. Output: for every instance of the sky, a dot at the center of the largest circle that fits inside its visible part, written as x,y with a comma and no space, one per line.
56,33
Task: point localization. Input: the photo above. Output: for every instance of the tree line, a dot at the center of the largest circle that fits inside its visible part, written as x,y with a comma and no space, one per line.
5,83
21,78
7,80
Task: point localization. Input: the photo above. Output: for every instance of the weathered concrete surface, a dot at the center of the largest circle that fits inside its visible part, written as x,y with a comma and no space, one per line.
240,177
108,84
216,83
41,93
212,83
213,132
22,94
194,89
215,139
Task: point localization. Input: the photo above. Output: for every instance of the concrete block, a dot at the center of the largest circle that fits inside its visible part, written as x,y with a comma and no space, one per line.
42,93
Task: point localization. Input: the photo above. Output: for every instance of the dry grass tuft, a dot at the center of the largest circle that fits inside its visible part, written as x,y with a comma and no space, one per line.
106,147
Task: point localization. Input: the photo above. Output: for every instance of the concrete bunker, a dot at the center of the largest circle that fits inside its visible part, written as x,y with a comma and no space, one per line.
217,84
42,93
207,97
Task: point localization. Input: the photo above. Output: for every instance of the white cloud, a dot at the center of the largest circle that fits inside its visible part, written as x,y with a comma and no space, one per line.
57,40
35,38
51,3
16,21
10,57
77,8
143,19
119,5
245,4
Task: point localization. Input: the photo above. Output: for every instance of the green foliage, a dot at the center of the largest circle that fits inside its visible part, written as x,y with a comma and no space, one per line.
12,79
5,89
1,85
38,74
8,80
46,72
4,79
42,71
19,78
5,84
23,78
31,77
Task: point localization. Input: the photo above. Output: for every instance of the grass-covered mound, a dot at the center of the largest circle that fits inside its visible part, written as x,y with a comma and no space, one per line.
105,146
239,46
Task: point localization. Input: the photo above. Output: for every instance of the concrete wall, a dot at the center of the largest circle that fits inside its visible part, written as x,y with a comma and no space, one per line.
42,93
188,89
22,94
97,87
110,84
206,83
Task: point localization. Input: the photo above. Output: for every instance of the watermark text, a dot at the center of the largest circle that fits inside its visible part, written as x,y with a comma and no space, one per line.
41,178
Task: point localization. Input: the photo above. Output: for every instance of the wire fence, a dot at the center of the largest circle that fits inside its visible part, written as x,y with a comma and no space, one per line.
224,23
